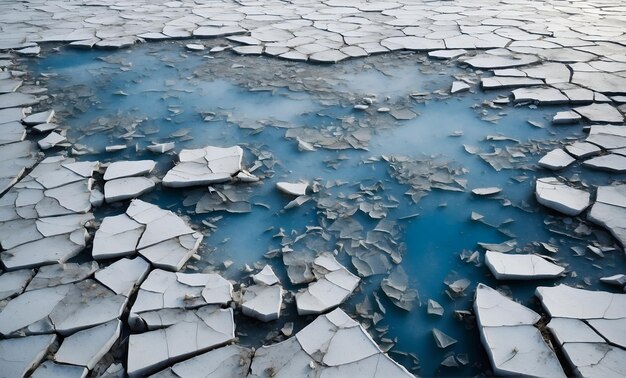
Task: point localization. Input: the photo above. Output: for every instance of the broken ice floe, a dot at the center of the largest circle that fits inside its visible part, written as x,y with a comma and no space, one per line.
294,189
204,166
520,267
168,290
168,339
228,361
61,274
332,345
49,207
51,140
265,299
609,210
15,159
20,355
38,118
442,340
616,279
266,276
610,162
49,369
600,113
122,182
262,302
124,275
558,196
63,308
581,150
591,335
126,188
556,159
486,191
121,169
334,284
12,283
158,235
87,347
566,117
513,344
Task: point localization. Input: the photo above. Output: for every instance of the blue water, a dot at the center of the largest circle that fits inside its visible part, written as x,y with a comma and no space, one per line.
166,90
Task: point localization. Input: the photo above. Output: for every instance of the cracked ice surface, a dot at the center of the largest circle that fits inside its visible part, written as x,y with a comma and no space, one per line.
64,309
332,345
514,345
160,236
546,53
520,267
162,290
204,166
208,326
45,214
589,328
334,284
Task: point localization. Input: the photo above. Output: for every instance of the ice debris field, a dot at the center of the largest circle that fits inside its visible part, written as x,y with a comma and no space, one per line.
312,188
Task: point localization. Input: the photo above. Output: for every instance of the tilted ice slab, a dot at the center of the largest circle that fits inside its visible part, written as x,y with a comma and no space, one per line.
556,195
87,347
228,361
543,96
263,302
293,188
589,326
556,159
121,169
16,99
178,334
563,301
12,283
499,82
266,276
204,166
158,235
19,356
520,267
164,289
49,369
64,309
51,140
334,284
610,162
61,274
11,132
126,188
486,60
607,136
513,344
582,149
117,236
124,275
332,345
609,210
600,113
38,118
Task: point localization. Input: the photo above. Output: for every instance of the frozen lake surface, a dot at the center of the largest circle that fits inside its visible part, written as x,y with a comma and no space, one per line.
147,191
